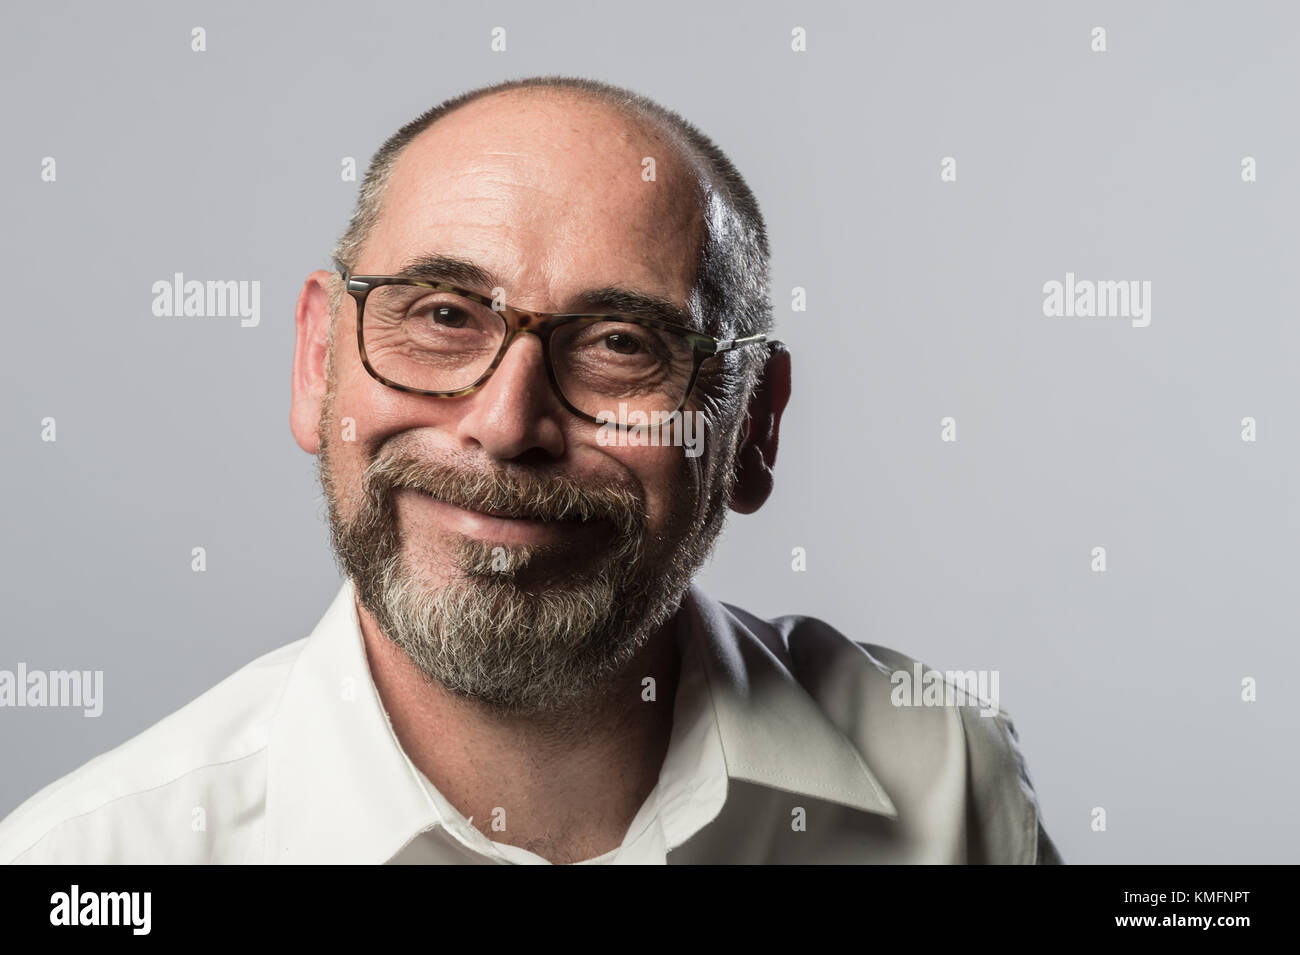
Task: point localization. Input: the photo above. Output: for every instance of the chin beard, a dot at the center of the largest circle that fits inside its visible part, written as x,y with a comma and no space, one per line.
485,637
507,627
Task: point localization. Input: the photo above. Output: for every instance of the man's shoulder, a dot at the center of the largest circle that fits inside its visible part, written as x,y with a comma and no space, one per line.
128,803
899,712
805,644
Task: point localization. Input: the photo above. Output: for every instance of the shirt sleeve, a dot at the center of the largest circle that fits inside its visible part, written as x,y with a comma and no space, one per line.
1006,821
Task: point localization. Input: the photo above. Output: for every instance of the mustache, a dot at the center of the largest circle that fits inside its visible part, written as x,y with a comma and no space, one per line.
551,497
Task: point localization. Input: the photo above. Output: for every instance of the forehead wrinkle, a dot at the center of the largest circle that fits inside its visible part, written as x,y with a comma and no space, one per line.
667,215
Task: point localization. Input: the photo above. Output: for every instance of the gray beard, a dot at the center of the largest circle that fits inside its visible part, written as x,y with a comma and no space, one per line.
495,634
488,639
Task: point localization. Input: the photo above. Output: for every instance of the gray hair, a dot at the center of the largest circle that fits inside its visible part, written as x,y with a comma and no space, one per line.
730,297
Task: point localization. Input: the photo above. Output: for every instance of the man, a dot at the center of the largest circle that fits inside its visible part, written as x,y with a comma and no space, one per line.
548,287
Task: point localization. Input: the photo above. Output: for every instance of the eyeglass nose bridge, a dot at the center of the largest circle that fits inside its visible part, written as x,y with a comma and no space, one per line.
522,322
519,323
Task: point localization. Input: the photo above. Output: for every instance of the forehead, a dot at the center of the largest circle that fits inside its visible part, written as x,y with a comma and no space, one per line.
549,192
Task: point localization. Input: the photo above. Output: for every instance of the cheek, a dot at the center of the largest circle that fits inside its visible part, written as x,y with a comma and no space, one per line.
671,482
364,414
345,468
356,423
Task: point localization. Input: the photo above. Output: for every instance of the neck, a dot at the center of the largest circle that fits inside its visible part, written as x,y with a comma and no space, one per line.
569,783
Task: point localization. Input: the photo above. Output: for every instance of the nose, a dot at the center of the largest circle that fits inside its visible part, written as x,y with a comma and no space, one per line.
516,412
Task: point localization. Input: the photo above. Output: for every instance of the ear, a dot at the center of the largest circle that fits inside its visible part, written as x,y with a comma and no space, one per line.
312,318
756,457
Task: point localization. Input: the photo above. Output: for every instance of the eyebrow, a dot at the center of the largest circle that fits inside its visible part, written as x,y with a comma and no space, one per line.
606,299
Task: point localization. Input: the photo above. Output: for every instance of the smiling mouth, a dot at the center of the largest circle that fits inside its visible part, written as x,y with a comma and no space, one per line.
498,513
507,525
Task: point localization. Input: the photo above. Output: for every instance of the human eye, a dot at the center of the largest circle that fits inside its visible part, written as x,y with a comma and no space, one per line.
449,316
626,343
448,312
613,340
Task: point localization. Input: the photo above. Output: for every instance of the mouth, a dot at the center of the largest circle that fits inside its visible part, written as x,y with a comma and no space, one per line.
498,513
498,525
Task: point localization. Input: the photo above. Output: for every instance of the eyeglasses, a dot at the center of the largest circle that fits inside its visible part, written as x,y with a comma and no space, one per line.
434,339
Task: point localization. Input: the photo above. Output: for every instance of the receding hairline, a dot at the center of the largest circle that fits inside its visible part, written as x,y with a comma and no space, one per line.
633,114
636,117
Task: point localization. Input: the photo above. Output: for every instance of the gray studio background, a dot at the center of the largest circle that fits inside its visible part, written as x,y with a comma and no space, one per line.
924,301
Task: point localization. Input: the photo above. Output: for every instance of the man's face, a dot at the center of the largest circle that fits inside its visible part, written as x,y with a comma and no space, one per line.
527,612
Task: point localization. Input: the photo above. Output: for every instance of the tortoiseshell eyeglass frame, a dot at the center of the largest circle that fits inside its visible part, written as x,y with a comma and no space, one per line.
542,324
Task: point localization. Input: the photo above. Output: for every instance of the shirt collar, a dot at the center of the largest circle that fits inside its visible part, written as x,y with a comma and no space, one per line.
341,789
773,732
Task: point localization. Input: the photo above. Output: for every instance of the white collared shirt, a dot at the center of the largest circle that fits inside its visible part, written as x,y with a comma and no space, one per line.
785,748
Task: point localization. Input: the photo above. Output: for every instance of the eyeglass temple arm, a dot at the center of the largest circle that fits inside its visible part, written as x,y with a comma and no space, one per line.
731,344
